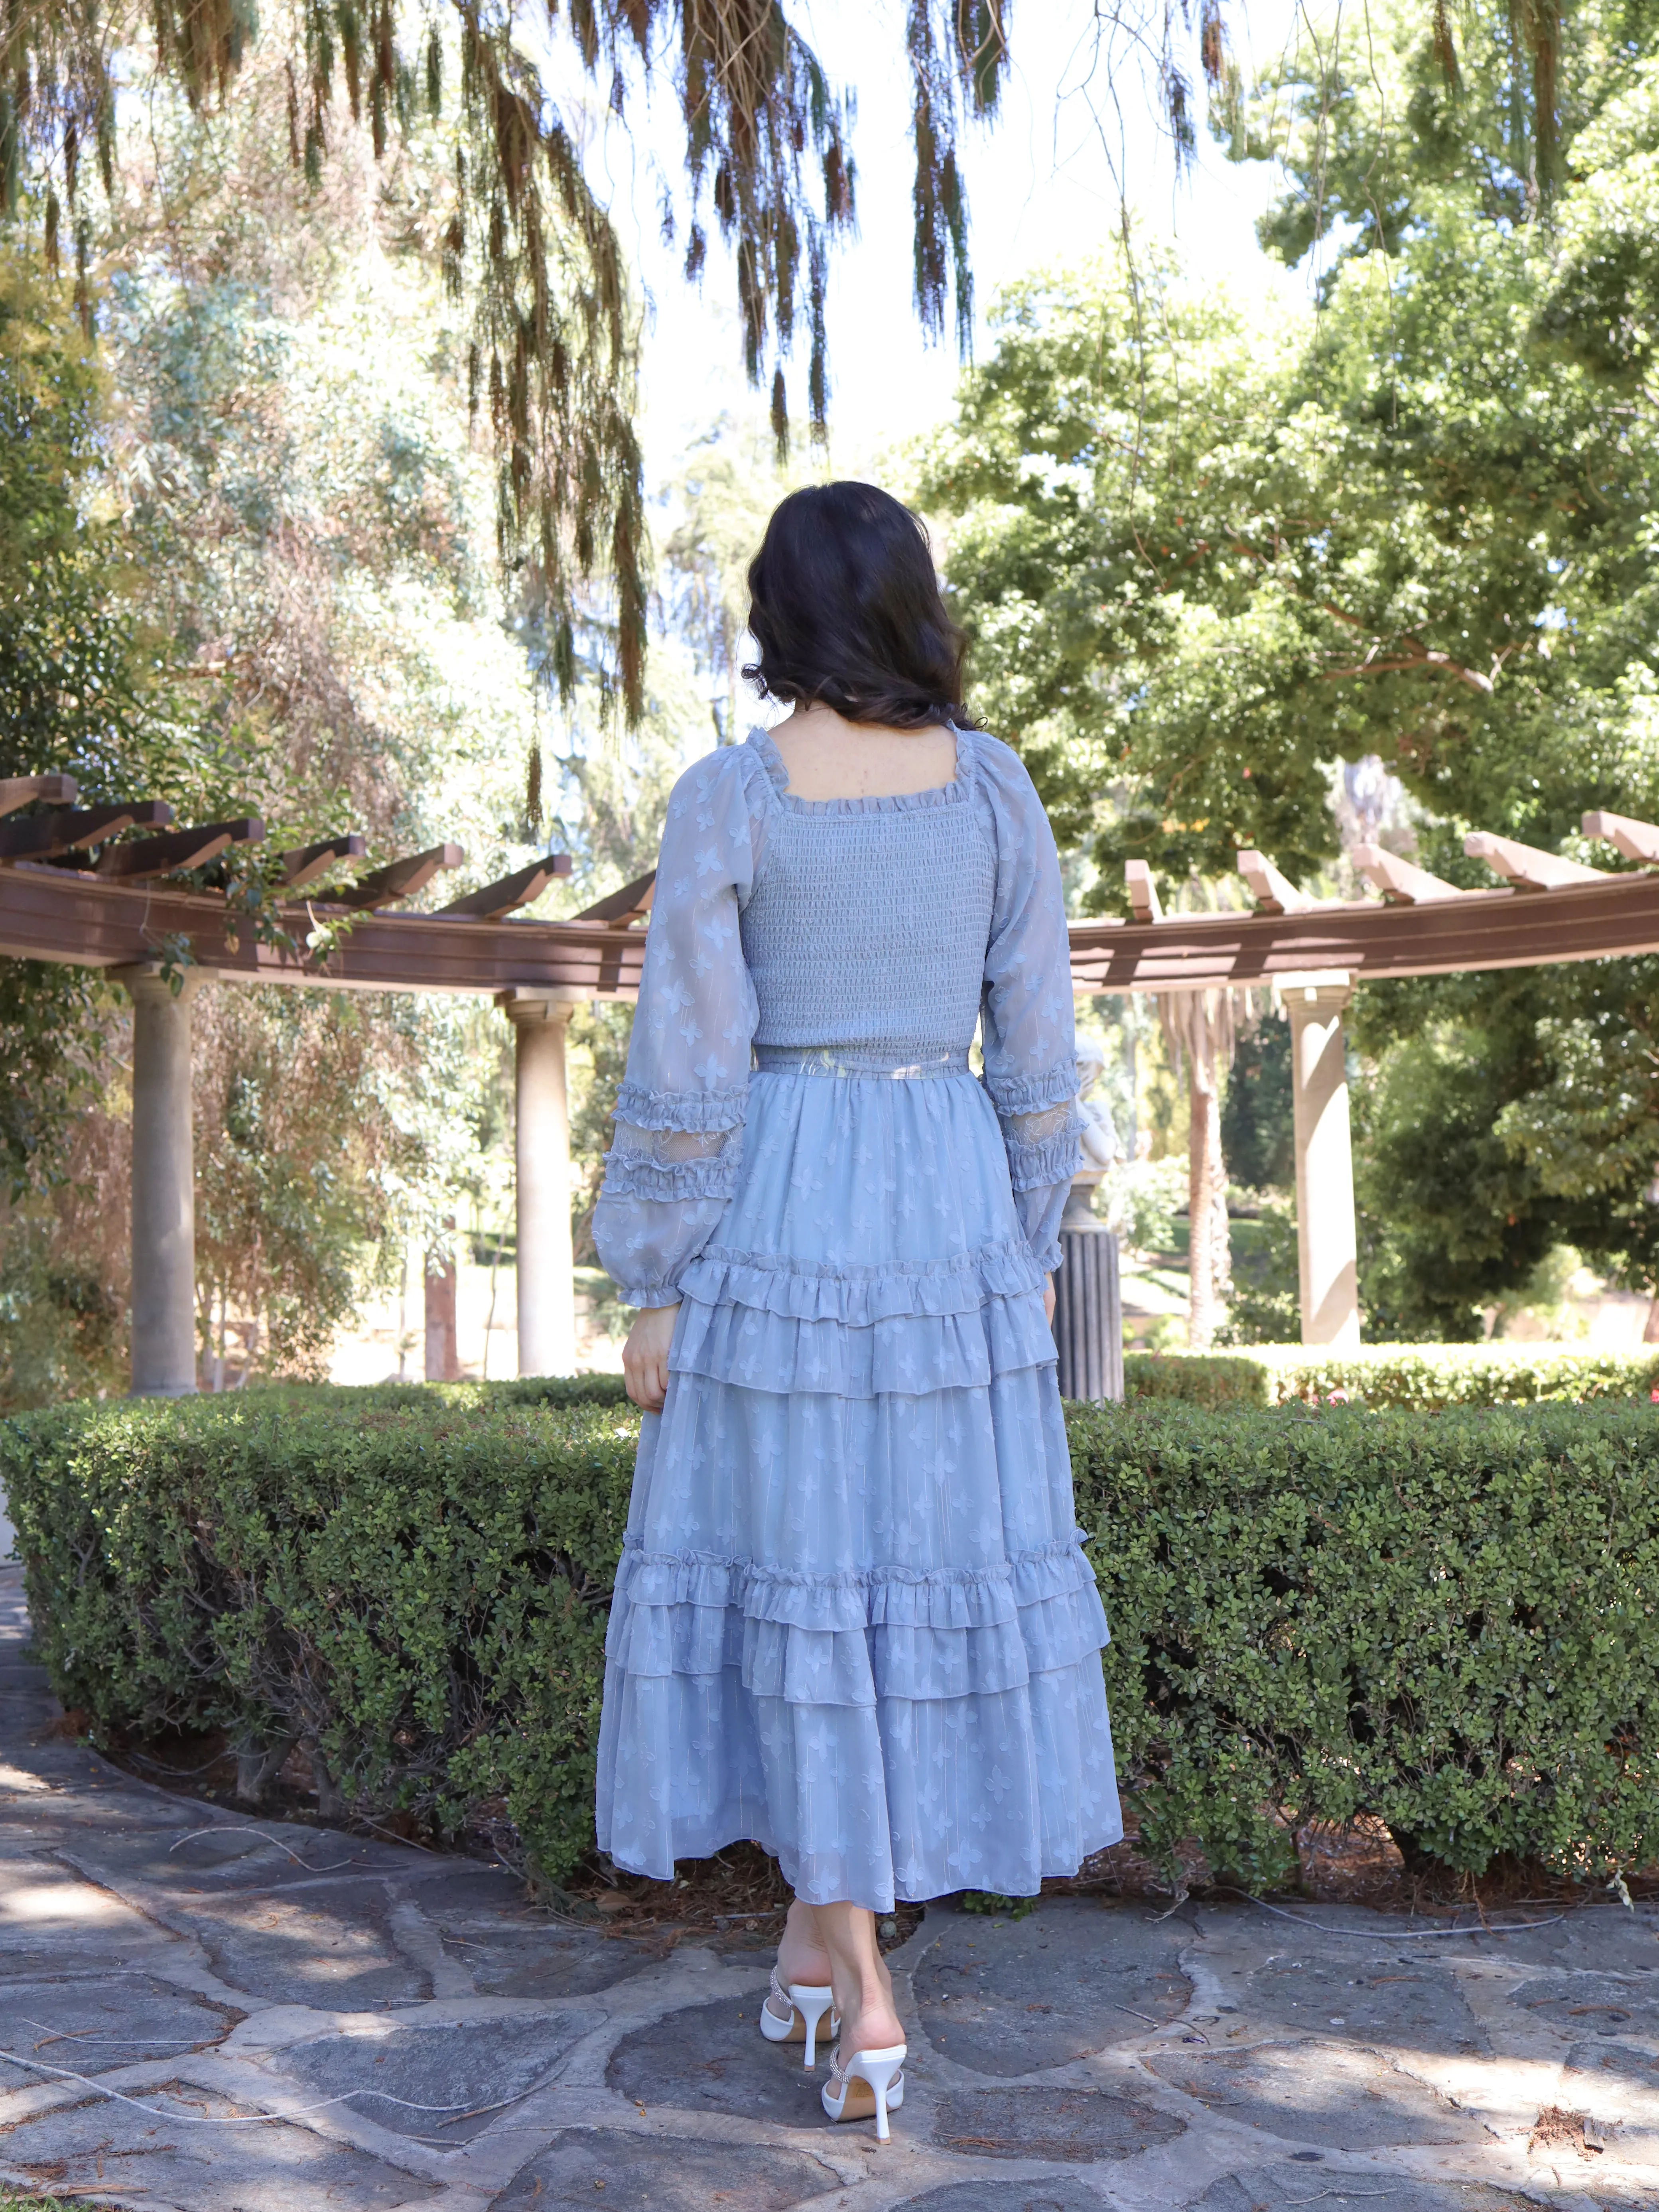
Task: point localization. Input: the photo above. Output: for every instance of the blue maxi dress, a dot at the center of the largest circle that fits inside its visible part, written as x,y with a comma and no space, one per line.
853,1622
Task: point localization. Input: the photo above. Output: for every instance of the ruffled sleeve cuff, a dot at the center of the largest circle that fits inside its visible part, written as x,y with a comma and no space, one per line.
691,1111
672,1182
663,1193
1032,1094
1051,1158
1039,1208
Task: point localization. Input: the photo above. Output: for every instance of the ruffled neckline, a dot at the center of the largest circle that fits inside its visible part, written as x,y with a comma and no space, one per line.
905,802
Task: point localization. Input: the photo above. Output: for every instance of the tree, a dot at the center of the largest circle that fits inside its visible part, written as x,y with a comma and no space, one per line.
766,140
1200,1030
285,535
70,686
1202,571
282,542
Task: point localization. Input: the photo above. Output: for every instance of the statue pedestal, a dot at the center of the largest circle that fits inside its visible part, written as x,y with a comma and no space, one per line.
1087,1302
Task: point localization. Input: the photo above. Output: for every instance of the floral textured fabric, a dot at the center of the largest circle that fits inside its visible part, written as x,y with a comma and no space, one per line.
853,1622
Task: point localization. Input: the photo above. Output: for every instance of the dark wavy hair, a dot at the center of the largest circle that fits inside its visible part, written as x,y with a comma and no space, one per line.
847,612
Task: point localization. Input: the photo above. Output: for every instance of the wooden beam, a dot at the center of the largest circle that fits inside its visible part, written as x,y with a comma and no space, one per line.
1272,893
48,913
1637,841
178,852
17,791
512,891
43,837
1527,867
1144,901
305,863
629,905
1400,882
1372,940
399,879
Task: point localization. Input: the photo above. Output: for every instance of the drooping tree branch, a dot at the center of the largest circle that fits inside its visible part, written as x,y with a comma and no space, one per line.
767,141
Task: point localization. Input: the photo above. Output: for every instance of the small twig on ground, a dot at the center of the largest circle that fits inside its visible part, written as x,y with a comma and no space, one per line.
242,1828
1186,2027
1395,1934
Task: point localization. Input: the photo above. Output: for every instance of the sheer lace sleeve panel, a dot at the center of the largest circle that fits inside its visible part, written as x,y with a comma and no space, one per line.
1026,1016
678,1140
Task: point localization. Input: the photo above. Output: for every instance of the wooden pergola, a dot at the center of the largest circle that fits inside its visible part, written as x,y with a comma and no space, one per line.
108,887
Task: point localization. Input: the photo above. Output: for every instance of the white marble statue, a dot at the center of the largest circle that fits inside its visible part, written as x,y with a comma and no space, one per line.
1099,1138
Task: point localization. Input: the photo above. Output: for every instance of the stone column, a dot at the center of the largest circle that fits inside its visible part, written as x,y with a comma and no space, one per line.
163,1183
1088,1323
1325,1245
546,1282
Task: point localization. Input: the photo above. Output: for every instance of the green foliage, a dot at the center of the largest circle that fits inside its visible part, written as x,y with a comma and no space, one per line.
1446,1619
990,1901
1372,116
1258,1136
413,1591
1212,1380
1201,568
1507,1115
1141,1198
65,688
1424,1377
9,2201
604,1031
1204,567
65,659
1264,1306
556,1390
61,1331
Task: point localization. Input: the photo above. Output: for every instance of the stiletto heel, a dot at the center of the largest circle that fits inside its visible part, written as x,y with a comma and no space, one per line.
869,2081
806,2005
811,2004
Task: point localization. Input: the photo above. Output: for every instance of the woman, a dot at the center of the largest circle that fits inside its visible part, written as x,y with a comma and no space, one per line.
851,1621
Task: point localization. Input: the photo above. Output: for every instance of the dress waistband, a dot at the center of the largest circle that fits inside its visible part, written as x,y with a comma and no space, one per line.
833,1060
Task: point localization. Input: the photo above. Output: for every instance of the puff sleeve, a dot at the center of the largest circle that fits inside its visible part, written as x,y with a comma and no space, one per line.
1025,1011
678,1142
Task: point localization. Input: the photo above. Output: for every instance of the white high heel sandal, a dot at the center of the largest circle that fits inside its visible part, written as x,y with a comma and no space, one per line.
869,2081
791,2014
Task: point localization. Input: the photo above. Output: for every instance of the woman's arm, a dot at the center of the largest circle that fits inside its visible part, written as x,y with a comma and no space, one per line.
679,1118
1026,1016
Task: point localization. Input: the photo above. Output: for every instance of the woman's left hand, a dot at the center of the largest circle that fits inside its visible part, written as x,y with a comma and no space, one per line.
644,1356
1049,1300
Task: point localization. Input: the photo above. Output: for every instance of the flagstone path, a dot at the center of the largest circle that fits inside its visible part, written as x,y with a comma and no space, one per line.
169,1972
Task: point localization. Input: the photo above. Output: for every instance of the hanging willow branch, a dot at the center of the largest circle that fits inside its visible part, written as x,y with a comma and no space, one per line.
767,145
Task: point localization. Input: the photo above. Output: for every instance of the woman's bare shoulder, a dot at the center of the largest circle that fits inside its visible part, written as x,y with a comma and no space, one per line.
826,757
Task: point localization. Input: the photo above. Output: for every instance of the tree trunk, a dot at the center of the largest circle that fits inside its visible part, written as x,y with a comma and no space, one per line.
1650,1334
442,1354
1209,1255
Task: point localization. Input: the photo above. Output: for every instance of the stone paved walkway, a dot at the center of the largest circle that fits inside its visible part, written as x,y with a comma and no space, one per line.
430,2040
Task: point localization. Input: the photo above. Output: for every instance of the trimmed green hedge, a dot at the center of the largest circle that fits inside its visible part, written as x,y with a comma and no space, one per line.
410,1584
558,1390
1446,1619
1212,1379
1427,1376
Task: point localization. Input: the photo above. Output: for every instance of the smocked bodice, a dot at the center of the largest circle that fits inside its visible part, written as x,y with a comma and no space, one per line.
865,928
871,936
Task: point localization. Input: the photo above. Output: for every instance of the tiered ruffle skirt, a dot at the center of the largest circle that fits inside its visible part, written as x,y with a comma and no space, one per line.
853,1620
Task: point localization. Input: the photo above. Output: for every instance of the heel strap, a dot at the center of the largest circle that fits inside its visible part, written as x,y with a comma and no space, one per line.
840,2072
783,2005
